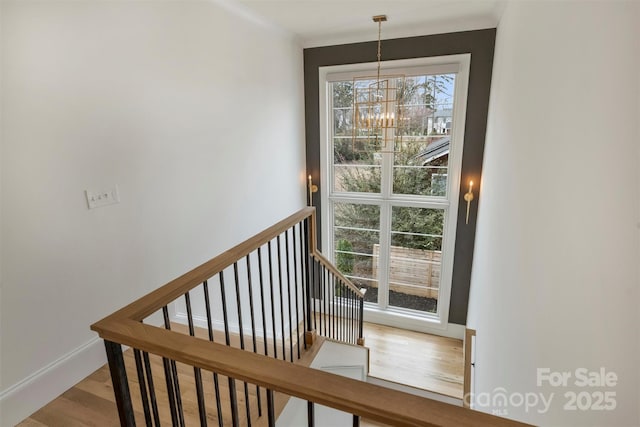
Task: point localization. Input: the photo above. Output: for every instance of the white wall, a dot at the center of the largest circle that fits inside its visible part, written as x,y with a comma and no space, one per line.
555,279
195,113
1,138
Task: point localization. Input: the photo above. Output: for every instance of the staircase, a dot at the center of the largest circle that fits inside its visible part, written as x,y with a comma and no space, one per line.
339,359
268,333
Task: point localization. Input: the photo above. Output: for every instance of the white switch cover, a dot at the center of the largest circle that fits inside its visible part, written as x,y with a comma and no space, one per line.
97,199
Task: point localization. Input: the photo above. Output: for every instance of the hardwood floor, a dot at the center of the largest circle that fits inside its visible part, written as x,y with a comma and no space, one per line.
418,360
428,362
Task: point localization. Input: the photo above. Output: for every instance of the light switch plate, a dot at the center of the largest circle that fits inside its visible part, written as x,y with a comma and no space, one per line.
105,197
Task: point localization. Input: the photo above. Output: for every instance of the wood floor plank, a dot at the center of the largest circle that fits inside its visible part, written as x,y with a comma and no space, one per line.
419,360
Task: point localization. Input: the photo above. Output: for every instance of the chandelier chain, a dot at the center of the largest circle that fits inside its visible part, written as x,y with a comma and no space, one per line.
379,47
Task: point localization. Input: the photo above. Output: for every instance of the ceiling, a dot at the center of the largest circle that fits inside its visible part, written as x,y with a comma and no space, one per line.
325,22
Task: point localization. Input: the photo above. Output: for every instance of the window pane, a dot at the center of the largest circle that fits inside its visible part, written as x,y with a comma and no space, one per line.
355,168
421,160
357,238
415,258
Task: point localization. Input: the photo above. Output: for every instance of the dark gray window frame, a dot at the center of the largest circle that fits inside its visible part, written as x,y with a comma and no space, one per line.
480,44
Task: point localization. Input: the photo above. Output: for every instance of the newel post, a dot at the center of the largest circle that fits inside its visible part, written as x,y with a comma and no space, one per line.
120,384
361,320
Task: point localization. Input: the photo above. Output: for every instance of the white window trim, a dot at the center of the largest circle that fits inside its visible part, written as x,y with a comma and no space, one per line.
458,64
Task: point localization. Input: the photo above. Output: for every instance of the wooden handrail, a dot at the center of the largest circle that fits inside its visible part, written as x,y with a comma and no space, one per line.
357,397
327,264
166,294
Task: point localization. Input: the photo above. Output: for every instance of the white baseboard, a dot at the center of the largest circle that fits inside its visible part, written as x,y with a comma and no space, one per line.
35,391
234,328
400,321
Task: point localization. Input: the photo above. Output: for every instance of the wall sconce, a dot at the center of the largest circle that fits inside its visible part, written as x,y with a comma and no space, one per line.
312,189
468,197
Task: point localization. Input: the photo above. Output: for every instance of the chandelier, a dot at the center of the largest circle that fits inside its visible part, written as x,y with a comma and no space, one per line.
377,124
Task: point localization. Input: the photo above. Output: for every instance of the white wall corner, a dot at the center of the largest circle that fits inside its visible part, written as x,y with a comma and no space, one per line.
24,398
248,14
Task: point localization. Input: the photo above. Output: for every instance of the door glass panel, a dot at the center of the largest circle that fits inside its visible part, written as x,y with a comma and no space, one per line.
356,234
420,165
415,258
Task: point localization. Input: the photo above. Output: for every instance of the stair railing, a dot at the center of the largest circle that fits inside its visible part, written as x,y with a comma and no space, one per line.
215,345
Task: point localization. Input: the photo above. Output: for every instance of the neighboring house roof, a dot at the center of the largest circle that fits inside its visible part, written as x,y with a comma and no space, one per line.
445,112
435,150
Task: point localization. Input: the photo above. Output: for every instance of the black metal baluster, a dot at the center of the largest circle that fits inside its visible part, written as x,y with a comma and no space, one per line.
239,307
238,304
345,335
286,248
337,309
273,312
356,421
316,279
152,389
253,325
357,320
349,316
296,292
264,319
143,387
270,409
223,296
342,292
353,317
361,319
174,374
120,384
318,295
216,384
323,292
280,279
350,295
170,392
324,297
233,399
305,306
348,336
350,328
329,296
323,302
308,276
197,374
310,415
304,272
327,290
332,308
312,290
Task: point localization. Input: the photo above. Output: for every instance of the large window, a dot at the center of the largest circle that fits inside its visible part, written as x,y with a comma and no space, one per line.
391,209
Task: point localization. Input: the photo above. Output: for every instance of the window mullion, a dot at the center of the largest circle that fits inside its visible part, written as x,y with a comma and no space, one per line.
383,260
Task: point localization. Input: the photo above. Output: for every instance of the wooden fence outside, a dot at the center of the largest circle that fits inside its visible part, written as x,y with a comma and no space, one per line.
412,271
